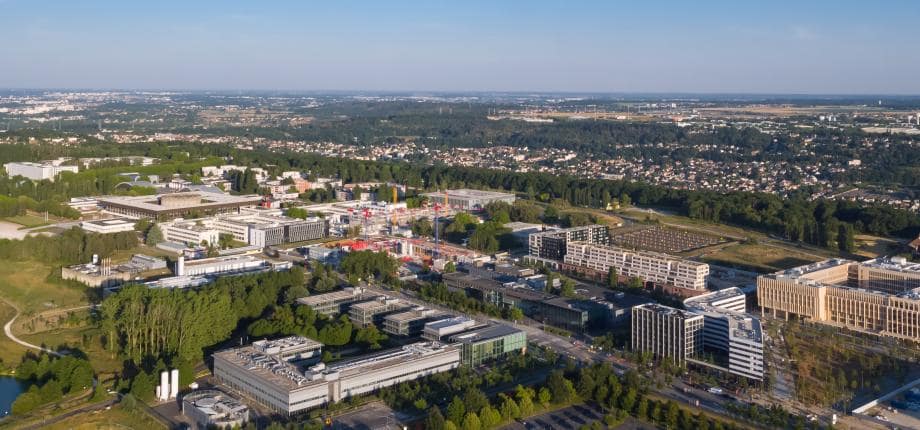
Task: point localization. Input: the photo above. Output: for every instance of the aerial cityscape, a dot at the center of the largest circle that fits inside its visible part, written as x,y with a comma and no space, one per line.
459,216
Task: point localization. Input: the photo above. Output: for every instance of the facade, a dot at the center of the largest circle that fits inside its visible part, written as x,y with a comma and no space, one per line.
728,330
441,329
164,207
876,296
486,344
37,171
373,311
108,226
649,266
552,245
666,332
336,302
189,232
285,387
410,323
468,200
225,265
214,409
266,230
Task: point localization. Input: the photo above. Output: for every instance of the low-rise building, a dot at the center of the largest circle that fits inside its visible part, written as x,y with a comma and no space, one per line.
189,232
442,329
410,323
468,200
336,302
479,346
38,171
108,226
373,311
213,409
285,387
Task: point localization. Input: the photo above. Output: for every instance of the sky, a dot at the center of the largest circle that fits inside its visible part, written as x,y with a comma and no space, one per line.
710,46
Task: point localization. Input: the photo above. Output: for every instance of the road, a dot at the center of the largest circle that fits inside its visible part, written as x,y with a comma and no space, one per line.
8,331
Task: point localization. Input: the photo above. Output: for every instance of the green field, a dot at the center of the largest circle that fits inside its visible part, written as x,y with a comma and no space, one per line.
759,258
27,221
25,285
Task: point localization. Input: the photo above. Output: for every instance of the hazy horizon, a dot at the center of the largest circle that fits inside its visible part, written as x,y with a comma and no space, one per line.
675,48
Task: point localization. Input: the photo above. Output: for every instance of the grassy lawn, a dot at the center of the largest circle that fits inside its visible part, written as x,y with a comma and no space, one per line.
874,246
102,360
115,418
24,284
10,352
27,221
758,257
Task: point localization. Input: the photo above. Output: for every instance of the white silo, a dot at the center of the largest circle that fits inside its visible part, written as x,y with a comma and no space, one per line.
174,383
164,385
180,266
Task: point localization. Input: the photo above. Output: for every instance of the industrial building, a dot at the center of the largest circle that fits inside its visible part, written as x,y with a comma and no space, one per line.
468,200
38,171
649,266
226,265
164,207
102,273
550,246
486,344
108,226
877,296
288,387
410,323
213,409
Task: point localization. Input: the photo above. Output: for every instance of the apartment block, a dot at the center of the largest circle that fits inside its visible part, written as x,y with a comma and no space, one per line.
649,266
552,245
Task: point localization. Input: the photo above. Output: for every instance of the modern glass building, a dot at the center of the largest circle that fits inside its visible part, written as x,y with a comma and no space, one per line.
489,343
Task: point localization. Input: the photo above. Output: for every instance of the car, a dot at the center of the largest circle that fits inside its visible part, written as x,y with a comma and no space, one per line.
715,390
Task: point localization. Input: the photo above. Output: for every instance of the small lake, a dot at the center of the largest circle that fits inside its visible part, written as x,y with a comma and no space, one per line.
9,389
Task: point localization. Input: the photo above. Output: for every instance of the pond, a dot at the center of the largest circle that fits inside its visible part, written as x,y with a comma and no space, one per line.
9,389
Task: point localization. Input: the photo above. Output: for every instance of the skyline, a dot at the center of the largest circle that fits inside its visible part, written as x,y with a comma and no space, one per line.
822,48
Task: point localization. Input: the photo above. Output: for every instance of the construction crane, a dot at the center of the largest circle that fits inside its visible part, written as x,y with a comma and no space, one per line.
367,217
437,241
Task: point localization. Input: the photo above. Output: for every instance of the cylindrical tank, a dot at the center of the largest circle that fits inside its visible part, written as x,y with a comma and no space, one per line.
174,383
180,266
164,385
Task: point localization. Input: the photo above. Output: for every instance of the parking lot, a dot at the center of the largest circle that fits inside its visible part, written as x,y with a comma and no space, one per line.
572,417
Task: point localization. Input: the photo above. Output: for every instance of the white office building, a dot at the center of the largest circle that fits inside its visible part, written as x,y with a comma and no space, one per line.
37,171
108,226
193,232
286,386
727,328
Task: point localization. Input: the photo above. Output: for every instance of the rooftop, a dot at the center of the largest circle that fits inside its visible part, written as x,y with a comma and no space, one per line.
344,294
470,193
490,332
899,264
152,203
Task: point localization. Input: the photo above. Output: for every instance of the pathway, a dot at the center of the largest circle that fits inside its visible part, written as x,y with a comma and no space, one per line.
8,330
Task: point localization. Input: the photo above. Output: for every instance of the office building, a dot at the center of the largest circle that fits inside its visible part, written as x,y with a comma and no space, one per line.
410,323
189,232
336,302
261,229
649,266
37,171
479,346
108,226
666,332
877,296
164,207
286,387
213,409
373,311
440,329
730,332
551,245
226,265
468,200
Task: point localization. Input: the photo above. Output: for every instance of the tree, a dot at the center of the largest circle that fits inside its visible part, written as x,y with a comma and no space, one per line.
434,421
509,408
568,288
474,399
154,235
544,396
561,388
489,417
845,241
450,267
516,314
613,279
635,283
471,422
456,410
672,415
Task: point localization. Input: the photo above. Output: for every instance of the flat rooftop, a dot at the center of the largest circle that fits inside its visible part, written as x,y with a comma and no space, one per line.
151,203
111,222
667,310
896,264
468,193
797,272
715,297
335,296
412,315
490,332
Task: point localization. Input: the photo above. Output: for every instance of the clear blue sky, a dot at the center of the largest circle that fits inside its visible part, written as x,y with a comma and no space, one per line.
851,47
